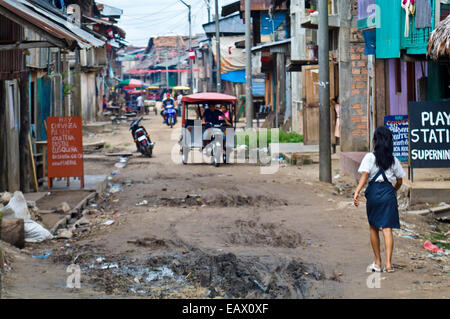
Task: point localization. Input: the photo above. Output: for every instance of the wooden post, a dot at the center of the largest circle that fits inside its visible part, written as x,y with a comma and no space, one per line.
25,152
281,88
33,165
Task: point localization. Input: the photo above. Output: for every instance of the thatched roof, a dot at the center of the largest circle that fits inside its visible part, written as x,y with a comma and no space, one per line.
439,43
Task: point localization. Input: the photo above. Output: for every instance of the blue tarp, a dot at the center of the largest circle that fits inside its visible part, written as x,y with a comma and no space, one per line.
239,77
235,76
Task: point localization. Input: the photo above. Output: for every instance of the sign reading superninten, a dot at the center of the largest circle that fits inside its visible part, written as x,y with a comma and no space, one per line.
429,124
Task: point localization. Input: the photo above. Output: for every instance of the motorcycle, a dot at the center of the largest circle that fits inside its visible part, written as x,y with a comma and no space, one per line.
141,138
171,119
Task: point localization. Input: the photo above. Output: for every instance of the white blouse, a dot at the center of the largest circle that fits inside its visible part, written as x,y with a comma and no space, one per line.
369,165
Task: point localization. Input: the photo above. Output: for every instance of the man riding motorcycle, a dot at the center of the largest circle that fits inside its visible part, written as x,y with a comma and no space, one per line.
167,101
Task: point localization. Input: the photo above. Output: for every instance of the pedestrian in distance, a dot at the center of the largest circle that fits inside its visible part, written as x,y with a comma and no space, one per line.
381,169
140,105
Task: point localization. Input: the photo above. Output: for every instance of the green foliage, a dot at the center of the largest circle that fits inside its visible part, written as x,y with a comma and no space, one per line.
284,137
67,88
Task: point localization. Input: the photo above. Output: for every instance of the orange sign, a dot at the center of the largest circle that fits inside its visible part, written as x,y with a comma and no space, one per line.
65,147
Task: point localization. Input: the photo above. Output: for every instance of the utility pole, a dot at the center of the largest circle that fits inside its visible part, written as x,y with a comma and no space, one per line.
324,95
191,73
248,68
210,54
218,64
167,69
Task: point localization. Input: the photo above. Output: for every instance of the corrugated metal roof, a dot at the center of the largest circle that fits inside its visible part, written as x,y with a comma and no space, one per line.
232,24
109,11
51,23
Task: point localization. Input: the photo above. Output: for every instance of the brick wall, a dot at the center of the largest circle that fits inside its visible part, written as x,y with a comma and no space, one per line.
353,85
359,89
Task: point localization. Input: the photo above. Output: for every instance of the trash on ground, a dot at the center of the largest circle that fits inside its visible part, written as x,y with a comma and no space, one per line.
119,165
109,222
44,256
17,207
144,202
83,221
114,189
407,236
63,208
64,234
5,198
259,285
428,245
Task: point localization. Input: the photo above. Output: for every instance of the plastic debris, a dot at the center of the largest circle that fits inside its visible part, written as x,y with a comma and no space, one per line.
407,236
447,233
259,285
44,256
144,202
114,189
428,245
109,222
119,165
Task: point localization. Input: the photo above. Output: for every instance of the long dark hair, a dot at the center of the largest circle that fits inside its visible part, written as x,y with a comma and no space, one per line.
383,147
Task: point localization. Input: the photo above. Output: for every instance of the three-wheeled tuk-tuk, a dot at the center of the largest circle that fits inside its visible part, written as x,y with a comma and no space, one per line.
202,129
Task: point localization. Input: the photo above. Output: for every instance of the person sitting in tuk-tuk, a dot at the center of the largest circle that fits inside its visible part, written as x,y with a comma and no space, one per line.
226,113
211,115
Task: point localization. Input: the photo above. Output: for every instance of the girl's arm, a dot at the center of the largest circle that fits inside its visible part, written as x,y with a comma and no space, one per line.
398,184
362,182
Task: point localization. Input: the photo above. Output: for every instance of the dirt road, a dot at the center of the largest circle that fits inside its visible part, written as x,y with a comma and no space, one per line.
228,232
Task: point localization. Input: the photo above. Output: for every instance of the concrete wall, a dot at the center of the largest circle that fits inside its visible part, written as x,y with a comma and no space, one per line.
352,81
298,43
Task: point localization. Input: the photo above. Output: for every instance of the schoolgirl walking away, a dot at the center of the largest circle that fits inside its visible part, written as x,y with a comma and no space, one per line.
381,169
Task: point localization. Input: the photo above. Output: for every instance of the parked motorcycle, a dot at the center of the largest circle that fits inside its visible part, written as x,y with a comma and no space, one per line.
141,138
171,112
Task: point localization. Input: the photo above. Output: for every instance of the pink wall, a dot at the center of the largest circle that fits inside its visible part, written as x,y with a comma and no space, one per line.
399,101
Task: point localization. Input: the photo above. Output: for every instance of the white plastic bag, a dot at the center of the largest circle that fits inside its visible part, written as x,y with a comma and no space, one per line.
35,233
16,208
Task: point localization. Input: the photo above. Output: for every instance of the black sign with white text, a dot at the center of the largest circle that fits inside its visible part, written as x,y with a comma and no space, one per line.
429,126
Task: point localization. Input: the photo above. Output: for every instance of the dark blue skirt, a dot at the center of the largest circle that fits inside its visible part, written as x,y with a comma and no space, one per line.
381,206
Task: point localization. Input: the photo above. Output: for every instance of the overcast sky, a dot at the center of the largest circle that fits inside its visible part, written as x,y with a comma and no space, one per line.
143,19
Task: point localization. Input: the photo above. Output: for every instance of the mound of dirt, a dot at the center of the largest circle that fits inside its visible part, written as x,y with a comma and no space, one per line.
219,200
252,233
149,242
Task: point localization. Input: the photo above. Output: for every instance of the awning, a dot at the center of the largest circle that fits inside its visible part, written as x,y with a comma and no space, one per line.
234,76
271,45
55,28
208,98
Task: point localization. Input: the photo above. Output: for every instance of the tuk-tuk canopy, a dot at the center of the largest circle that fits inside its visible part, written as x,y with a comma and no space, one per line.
209,98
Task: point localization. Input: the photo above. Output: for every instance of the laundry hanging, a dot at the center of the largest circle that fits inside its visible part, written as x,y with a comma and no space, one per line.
410,8
424,14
